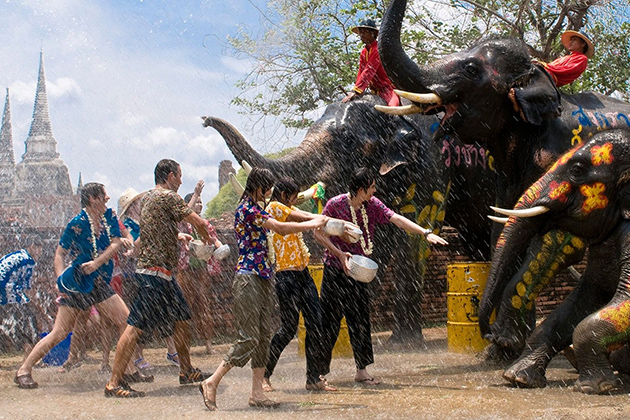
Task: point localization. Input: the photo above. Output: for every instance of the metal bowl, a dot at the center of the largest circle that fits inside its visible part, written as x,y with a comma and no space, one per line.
334,227
354,234
362,268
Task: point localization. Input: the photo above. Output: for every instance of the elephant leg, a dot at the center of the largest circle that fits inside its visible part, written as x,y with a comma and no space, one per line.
516,318
620,360
591,341
555,332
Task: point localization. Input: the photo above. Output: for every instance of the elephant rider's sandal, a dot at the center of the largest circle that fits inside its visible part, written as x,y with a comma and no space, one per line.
368,381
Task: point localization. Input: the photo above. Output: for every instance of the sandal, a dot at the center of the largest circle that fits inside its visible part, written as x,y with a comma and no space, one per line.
192,376
172,358
266,403
122,391
142,364
25,381
210,405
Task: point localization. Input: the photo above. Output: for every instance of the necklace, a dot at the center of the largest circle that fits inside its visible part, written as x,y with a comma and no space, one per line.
93,233
367,250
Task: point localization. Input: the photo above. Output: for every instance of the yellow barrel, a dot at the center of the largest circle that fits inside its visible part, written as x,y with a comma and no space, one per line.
342,346
466,282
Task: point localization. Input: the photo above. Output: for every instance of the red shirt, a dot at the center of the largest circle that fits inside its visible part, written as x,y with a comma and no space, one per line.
372,75
566,69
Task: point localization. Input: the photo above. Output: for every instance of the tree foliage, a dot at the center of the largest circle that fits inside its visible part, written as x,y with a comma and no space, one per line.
306,49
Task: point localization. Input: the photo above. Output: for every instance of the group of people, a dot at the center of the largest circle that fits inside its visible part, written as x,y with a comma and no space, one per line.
280,224
154,226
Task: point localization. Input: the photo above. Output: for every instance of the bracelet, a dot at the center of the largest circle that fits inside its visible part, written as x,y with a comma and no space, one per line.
427,232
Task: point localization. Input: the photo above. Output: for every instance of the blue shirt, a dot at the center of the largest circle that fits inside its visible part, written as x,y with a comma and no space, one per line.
77,239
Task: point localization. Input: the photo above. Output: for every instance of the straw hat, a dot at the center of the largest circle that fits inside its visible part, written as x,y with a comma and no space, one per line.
126,199
367,24
566,38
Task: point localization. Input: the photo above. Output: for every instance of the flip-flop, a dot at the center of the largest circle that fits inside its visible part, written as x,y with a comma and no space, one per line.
368,381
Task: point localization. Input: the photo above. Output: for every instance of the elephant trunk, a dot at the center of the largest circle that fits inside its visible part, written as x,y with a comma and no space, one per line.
511,246
401,69
304,164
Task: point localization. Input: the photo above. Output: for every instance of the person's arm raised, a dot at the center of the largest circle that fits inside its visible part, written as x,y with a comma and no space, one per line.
411,227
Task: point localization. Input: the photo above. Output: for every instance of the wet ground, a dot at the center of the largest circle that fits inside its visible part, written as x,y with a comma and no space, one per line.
428,383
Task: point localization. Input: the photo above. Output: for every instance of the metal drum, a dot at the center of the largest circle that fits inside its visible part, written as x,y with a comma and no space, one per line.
466,282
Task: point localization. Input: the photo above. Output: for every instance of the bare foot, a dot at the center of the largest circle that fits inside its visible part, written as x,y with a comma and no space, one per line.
365,378
266,385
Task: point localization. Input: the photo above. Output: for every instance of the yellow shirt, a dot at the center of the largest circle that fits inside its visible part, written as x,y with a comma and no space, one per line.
287,249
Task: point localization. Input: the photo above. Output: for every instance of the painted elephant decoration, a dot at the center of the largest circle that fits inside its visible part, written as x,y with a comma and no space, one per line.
586,192
493,93
421,179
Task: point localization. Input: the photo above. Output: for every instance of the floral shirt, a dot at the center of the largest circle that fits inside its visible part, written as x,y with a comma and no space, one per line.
162,210
339,207
251,237
287,249
16,270
77,239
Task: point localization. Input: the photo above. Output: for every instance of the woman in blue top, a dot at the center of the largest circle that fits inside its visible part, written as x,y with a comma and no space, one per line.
94,235
252,288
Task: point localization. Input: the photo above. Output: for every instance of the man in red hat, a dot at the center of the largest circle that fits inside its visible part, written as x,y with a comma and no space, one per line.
565,70
371,72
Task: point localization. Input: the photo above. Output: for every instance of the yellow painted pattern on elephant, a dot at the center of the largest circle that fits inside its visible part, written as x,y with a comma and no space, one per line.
618,315
559,191
602,154
576,139
595,197
563,159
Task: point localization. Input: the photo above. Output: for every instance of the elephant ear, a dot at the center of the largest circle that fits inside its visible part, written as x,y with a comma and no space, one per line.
537,96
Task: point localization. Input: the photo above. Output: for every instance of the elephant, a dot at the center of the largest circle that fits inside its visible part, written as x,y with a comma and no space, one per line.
421,179
494,94
587,193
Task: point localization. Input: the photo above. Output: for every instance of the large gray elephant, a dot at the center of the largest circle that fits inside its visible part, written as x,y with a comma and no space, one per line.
431,183
586,192
494,94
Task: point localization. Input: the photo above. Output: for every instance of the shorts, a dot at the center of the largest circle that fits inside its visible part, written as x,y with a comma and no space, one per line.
159,304
82,301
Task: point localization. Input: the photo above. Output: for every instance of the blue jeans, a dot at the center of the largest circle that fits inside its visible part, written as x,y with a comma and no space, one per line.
297,292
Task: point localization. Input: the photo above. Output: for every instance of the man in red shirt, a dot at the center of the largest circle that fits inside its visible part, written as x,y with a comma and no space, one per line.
371,72
565,70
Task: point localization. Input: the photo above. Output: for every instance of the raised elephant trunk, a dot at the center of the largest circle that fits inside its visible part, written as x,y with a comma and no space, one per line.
402,70
304,165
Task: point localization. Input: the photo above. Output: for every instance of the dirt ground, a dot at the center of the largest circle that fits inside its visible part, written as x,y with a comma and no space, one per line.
427,383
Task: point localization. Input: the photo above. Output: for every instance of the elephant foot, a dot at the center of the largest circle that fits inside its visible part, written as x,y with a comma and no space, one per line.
597,384
526,373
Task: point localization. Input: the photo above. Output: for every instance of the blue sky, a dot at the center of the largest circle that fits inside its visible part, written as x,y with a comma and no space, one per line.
127,83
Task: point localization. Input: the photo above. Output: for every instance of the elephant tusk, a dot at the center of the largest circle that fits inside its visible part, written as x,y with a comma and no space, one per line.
502,220
574,273
236,185
307,194
399,110
246,167
420,98
531,212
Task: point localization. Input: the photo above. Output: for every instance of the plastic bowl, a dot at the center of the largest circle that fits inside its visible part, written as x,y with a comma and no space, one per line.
222,252
362,268
200,249
334,227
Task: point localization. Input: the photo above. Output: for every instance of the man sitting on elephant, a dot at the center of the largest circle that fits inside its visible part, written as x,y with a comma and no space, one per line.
371,72
565,70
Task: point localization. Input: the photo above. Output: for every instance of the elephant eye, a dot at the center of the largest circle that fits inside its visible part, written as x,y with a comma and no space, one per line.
471,69
577,172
